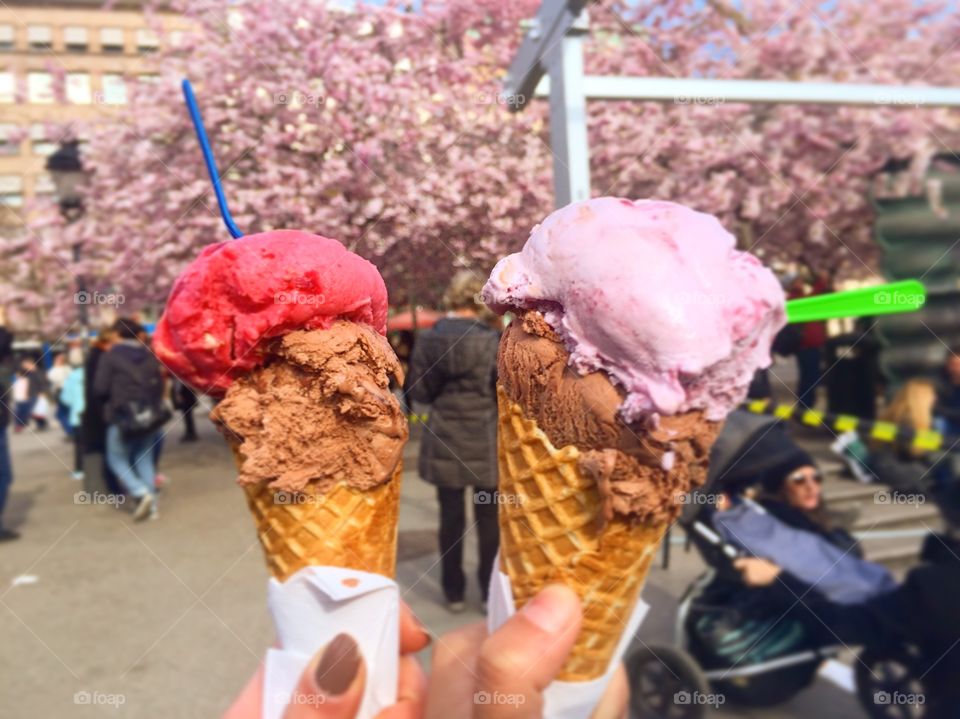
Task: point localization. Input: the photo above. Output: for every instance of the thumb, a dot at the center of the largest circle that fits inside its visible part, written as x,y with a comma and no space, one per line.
332,685
522,657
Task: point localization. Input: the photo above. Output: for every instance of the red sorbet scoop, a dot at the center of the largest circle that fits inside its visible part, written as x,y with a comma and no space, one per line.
239,292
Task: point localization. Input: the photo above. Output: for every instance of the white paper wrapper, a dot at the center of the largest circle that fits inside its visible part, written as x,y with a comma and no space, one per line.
562,700
315,605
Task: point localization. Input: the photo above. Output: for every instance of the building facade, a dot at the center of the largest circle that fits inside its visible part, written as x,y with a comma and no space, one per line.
62,62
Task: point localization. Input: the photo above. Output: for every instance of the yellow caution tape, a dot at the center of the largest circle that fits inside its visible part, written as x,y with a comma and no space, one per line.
927,441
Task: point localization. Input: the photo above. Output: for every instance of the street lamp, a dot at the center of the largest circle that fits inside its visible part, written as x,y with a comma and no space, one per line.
69,178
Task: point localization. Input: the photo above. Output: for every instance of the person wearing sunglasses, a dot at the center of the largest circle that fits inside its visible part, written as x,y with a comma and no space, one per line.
792,492
793,544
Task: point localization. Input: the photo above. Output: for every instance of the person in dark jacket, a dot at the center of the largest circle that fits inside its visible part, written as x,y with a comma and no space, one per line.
185,400
6,469
130,383
812,339
93,428
454,369
922,613
793,494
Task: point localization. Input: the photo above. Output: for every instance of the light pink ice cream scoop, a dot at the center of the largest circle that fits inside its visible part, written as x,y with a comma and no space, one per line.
653,293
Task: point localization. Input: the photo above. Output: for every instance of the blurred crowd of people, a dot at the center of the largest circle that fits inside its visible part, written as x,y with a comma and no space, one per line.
111,400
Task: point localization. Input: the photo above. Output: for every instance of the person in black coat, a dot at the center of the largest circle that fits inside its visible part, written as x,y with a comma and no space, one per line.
6,469
454,369
185,400
93,427
130,383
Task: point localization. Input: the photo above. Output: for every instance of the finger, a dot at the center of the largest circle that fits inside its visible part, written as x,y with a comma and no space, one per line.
522,657
332,685
740,563
411,692
413,635
613,703
453,672
249,703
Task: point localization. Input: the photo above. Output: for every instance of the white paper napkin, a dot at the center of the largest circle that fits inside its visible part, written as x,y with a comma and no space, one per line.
314,605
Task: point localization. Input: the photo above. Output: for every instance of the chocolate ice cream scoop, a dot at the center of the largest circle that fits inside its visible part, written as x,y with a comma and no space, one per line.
318,411
643,469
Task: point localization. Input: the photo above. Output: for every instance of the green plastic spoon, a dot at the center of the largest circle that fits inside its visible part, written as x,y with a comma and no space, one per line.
893,298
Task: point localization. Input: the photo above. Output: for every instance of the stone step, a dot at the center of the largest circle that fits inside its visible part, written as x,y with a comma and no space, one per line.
879,514
897,553
838,492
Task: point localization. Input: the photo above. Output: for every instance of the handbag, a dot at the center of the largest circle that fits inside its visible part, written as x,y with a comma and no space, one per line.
138,418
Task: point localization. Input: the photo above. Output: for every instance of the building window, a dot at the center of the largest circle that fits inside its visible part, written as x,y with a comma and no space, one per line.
111,40
43,185
8,88
11,190
9,142
7,38
114,90
40,88
78,88
40,142
39,37
147,40
75,38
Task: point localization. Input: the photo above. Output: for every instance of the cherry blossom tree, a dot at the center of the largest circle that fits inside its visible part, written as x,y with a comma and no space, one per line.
384,127
792,181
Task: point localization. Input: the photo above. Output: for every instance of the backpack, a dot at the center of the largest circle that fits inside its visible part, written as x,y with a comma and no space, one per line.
144,415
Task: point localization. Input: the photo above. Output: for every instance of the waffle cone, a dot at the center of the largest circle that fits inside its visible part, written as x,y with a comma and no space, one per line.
551,530
342,527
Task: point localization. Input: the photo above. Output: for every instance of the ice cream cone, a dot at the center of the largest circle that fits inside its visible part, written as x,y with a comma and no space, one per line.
316,437
552,530
343,527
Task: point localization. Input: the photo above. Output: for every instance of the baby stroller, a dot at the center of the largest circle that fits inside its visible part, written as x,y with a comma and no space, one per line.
726,648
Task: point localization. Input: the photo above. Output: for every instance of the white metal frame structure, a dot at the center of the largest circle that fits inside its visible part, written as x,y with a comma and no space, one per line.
549,63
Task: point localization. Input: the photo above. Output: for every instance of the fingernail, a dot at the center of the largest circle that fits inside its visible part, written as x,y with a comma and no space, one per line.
550,610
423,628
338,666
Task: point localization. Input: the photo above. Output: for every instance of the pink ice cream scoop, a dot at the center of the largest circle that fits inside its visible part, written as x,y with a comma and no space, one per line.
238,294
653,293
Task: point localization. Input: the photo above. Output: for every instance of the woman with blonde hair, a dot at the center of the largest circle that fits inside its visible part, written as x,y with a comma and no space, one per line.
900,465
912,406
453,368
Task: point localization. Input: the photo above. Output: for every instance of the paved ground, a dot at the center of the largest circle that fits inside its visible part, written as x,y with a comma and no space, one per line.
167,618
